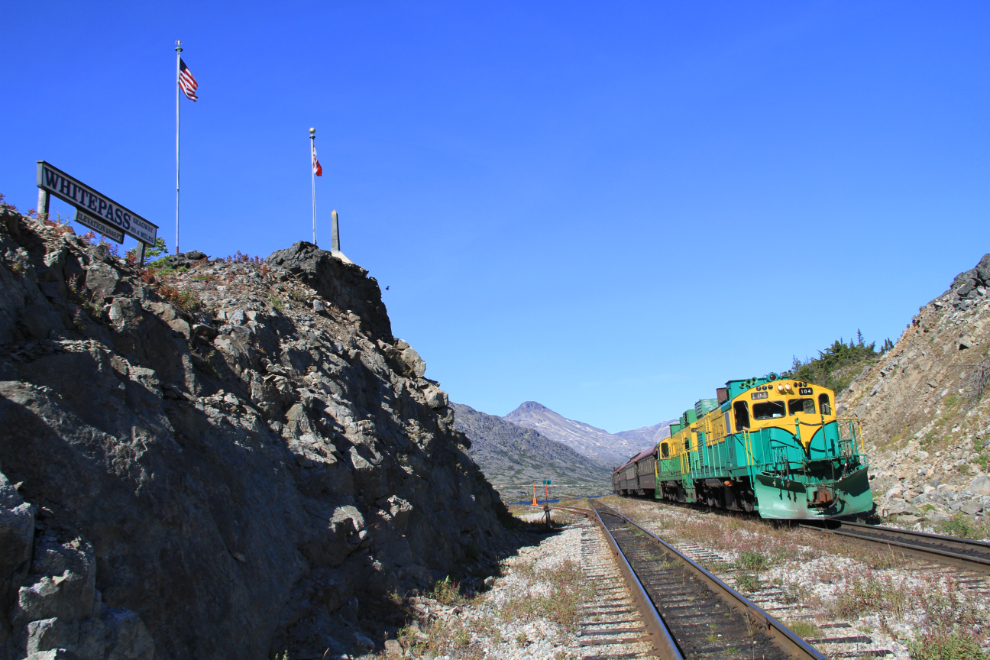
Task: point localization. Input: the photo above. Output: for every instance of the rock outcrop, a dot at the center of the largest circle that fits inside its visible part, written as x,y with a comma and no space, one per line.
925,410
232,461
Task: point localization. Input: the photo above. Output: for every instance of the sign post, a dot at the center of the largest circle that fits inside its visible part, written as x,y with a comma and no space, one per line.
43,204
546,501
93,209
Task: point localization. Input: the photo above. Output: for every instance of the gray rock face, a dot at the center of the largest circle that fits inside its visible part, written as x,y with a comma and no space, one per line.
169,493
924,406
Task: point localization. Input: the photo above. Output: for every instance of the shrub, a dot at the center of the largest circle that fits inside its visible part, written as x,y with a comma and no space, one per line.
838,364
447,592
752,561
184,300
953,645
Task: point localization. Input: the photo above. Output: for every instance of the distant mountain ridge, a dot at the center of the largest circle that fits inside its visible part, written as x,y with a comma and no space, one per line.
611,449
514,457
649,435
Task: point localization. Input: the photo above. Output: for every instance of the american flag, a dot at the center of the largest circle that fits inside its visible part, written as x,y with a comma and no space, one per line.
187,83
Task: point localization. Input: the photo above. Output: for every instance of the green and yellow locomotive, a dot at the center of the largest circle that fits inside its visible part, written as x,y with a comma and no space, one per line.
769,445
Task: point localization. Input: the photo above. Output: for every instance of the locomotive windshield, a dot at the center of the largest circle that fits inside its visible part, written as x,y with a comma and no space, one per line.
769,410
801,406
825,405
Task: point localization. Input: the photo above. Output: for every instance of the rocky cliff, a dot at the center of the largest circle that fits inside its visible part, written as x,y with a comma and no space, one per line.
515,457
925,410
223,460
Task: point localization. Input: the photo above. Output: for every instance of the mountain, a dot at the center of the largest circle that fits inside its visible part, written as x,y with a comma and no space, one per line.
598,444
925,411
216,458
514,457
648,435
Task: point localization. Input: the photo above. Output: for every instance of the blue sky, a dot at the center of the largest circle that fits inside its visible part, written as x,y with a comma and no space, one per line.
610,208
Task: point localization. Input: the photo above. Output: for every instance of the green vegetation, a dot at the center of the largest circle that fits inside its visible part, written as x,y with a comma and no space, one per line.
964,527
747,582
839,364
447,592
953,645
803,629
751,560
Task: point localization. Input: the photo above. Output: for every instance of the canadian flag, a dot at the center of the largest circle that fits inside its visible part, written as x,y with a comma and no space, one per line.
317,168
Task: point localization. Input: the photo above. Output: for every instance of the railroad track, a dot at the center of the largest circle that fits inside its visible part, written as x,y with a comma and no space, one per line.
953,551
685,611
961,553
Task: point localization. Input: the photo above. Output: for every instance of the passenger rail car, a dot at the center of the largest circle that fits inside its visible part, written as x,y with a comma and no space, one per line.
768,445
637,476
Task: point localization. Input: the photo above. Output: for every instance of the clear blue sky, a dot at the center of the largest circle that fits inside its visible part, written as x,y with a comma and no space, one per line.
610,208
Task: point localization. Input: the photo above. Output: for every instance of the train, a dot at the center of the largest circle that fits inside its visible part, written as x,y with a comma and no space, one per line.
769,445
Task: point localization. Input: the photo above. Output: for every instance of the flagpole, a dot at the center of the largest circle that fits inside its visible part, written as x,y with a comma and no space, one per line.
178,57
312,169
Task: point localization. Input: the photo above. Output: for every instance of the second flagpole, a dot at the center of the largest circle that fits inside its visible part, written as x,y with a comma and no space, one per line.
312,150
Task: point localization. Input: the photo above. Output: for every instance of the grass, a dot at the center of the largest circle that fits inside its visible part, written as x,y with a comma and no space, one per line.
803,629
753,561
964,527
747,582
553,594
868,593
559,603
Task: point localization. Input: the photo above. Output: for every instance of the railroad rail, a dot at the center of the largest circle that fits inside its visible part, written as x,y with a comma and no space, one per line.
961,553
688,612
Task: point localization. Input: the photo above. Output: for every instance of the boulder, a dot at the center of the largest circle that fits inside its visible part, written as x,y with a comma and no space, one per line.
971,507
414,363
980,485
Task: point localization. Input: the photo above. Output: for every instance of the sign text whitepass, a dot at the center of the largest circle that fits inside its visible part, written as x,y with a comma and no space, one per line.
70,190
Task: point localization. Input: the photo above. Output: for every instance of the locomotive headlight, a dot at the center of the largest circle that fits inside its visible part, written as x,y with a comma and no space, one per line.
789,388
780,388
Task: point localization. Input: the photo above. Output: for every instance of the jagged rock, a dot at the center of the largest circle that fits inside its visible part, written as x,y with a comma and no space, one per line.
101,280
345,285
414,363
